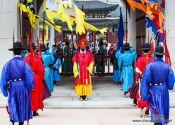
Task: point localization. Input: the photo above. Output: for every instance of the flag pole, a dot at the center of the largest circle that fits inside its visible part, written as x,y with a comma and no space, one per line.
20,23
126,24
44,14
13,36
148,37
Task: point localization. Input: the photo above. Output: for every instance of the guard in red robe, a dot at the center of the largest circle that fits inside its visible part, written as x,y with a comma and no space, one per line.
140,67
83,62
37,94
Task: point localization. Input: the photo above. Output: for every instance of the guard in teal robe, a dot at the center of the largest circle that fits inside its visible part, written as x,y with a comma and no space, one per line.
125,63
48,60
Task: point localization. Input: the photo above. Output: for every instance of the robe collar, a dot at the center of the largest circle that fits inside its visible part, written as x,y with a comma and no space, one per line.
17,56
127,51
159,60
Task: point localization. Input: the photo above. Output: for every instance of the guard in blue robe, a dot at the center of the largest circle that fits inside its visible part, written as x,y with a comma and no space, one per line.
158,78
56,67
48,60
125,63
17,81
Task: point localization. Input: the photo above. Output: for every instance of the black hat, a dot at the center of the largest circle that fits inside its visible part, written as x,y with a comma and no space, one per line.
126,46
146,46
54,45
16,46
159,50
28,47
42,47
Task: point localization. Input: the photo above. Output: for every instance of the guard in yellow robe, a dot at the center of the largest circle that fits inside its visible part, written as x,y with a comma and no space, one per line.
83,62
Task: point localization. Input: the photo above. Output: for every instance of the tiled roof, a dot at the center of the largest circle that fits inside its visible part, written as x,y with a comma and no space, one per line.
96,5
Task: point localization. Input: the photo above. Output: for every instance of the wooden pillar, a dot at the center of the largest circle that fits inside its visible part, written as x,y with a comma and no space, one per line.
108,36
62,35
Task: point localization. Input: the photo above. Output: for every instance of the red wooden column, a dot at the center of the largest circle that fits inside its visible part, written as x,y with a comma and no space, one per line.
107,37
62,35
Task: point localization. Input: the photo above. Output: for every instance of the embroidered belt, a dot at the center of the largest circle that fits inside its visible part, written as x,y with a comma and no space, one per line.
157,84
127,65
15,80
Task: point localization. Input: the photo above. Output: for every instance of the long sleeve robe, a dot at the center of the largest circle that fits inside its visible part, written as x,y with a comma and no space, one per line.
38,70
158,96
19,100
48,59
125,63
83,68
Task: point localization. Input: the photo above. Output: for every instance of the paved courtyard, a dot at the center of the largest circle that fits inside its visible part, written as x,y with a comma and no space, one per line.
107,106
87,117
106,94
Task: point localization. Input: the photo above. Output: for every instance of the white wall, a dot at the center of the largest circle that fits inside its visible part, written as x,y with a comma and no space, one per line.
170,27
132,28
8,21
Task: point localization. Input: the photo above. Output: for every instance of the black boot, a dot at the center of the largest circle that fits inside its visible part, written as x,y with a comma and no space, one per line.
81,98
147,112
13,123
35,114
55,83
85,98
157,123
134,102
21,123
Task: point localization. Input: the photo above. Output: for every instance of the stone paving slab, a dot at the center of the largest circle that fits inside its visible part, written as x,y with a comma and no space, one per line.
87,117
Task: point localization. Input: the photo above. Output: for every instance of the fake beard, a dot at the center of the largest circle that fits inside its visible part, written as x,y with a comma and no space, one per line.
82,49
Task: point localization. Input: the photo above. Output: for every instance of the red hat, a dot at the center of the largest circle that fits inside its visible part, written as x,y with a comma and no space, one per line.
83,43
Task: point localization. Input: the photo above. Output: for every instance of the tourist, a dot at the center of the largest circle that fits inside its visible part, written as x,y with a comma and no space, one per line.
67,63
100,61
111,54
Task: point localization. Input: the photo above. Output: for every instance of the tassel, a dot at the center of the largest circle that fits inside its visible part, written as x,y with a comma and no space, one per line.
7,108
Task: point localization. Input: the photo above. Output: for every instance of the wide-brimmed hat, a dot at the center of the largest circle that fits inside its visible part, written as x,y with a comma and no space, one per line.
16,46
28,47
159,50
126,46
83,43
146,46
54,45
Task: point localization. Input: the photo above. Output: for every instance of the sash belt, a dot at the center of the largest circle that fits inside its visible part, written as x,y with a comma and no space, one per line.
157,84
15,80
127,65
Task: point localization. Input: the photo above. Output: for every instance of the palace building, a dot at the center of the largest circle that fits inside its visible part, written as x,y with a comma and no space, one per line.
98,13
